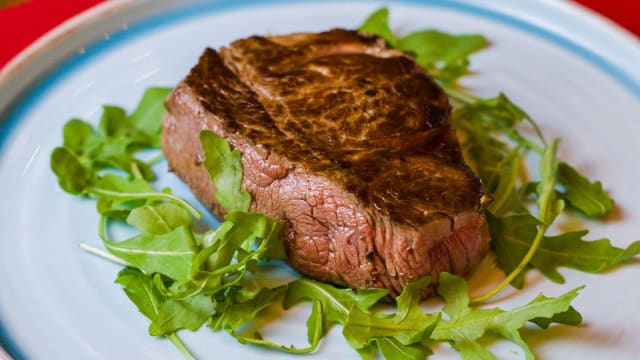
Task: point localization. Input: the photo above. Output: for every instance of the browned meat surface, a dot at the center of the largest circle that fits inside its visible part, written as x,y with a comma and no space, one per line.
348,143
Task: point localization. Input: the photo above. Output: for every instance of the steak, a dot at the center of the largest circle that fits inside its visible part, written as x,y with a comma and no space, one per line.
344,140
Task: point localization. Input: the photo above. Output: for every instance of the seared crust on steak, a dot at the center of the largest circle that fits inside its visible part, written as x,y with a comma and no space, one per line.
346,141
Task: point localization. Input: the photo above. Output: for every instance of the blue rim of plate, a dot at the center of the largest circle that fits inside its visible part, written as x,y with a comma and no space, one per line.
40,88
36,91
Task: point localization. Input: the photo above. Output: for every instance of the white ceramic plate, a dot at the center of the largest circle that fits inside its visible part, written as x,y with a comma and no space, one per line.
575,73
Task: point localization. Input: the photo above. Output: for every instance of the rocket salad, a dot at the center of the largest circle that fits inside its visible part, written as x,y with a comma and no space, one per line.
181,277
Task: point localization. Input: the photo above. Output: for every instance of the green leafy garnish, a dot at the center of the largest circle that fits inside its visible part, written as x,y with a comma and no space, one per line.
511,239
177,277
378,23
549,208
407,329
187,313
569,317
141,291
466,326
159,218
80,163
331,305
444,55
399,334
581,193
168,254
115,141
407,333
225,169
497,150
231,315
182,278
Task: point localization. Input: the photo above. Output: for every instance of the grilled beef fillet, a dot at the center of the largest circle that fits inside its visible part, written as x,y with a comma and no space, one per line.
347,142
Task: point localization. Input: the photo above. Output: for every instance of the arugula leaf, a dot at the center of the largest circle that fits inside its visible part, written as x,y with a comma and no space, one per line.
115,192
118,145
495,150
571,251
512,236
401,334
73,176
315,325
549,206
209,243
230,316
176,314
183,305
334,305
582,194
444,56
391,348
409,326
335,302
490,119
249,226
212,268
246,229
225,168
313,322
79,137
233,315
378,24
466,325
110,186
170,254
141,291
113,119
147,117
569,317
114,143
141,128
507,232
159,219
86,152
503,185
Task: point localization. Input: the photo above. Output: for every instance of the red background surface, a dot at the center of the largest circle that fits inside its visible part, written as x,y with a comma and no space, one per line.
22,24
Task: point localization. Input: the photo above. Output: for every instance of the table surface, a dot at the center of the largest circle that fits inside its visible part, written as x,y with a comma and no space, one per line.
24,21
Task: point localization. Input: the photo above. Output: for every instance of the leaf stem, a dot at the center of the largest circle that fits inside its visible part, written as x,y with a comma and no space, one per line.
290,349
537,130
135,170
500,198
177,342
103,254
548,206
468,99
460,96
102,228
159,156
521,266
144,195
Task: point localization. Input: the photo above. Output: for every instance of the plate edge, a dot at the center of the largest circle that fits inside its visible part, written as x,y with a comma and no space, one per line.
23,71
